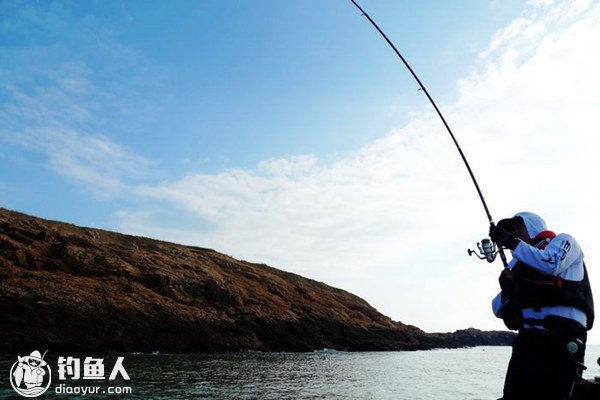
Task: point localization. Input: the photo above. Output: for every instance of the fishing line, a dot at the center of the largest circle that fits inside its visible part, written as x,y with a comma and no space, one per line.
462,155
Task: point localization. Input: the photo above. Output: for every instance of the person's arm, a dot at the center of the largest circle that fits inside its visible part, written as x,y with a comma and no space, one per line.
560,254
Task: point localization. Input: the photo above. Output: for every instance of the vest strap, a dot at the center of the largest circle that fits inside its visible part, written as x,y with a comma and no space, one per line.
564,326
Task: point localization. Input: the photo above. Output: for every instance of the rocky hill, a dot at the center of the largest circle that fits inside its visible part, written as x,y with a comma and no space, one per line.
64,287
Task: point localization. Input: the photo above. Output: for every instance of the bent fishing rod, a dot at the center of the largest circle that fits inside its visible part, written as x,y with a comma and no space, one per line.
486,248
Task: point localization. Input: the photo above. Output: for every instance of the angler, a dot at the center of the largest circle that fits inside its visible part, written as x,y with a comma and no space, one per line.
546,296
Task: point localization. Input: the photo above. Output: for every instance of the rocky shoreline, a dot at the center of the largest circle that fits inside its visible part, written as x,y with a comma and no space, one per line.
64,287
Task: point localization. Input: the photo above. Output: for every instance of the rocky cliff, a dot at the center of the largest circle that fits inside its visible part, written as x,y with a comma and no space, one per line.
64,287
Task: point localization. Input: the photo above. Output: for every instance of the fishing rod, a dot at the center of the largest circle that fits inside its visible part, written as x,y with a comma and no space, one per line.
487,248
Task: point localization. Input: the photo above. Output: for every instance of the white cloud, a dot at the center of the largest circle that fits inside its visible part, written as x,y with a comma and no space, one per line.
103,165
540,3
391,221
50,109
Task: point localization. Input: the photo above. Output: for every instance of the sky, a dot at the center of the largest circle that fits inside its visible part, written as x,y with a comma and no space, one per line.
288,133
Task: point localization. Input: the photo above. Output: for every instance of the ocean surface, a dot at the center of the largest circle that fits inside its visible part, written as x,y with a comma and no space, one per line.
475,373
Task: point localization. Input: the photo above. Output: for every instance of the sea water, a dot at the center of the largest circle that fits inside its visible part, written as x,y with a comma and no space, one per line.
443,374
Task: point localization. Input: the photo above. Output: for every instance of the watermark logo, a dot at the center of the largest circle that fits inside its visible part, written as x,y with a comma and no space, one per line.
93,368
30,375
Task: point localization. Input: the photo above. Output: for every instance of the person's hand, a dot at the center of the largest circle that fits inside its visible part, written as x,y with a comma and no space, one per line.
503,238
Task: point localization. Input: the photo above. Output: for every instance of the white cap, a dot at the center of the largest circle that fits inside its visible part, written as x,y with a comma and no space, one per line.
533,222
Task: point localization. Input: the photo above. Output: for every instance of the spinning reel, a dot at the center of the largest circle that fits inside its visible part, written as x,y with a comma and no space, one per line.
487,249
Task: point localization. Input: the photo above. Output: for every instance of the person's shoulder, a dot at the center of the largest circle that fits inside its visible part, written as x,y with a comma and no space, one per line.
565,236
566,240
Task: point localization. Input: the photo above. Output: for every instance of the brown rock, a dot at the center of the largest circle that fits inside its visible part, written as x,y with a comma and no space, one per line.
71,288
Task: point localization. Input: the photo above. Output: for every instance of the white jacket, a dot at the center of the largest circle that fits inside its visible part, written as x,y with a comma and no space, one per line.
562,257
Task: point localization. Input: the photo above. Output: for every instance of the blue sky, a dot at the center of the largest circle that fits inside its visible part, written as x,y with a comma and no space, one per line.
213,85
287,132
207,86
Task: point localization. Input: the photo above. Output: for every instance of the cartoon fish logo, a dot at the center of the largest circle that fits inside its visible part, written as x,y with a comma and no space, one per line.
30,376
